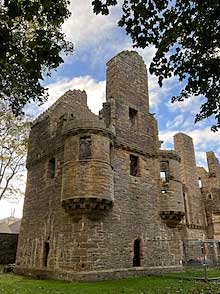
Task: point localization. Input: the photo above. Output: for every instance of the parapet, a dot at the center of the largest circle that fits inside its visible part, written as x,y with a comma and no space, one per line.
74,127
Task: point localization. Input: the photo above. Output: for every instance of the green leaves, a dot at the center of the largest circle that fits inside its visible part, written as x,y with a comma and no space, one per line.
31,45
186,35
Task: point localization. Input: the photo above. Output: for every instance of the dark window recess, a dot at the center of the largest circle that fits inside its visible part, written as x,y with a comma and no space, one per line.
134,165
209,196
46,253
164,171
85,148
111,154
137,251
133,116
52,166
218,247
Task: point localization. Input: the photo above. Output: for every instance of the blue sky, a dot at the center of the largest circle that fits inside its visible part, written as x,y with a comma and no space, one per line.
96,40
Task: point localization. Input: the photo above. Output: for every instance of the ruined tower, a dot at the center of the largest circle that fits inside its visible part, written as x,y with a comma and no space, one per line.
195,208
103,201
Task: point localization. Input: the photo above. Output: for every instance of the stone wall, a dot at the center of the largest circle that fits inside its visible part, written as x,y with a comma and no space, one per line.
88,213
8,247
95,205
210,189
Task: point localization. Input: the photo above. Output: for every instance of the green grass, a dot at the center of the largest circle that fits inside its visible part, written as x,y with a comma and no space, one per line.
14,284
197,272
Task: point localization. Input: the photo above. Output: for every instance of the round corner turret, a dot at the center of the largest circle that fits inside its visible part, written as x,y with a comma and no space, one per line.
87,184
171,194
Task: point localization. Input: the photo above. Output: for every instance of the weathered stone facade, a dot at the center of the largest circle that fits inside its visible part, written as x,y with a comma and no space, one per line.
102,200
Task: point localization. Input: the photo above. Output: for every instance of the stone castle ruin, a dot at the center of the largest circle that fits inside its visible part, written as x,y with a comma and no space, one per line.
102,199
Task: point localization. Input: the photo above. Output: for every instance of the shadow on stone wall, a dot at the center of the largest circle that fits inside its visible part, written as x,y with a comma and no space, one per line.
8,247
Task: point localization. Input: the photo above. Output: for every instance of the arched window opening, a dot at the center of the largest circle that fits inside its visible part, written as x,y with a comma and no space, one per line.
137,251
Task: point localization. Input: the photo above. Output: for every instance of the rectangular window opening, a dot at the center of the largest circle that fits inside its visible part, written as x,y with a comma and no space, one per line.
134,165
133,116
85,148
163,176
164,171
52,166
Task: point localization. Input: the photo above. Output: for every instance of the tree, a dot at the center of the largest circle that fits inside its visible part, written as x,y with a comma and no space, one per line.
186,35
31,45
13,145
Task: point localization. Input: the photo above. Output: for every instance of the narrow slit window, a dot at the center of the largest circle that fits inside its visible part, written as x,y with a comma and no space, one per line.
202,250
134,171
52,167
85,148
200,182
111,154
46,253
133,114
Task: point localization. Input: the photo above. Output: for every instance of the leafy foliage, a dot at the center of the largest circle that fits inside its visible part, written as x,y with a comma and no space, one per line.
31,44
13,145
186,35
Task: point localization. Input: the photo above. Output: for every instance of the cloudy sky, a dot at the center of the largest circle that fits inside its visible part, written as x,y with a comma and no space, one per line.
96,40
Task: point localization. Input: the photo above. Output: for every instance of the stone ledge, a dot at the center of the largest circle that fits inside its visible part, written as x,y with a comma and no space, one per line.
110,274
172,218
87,205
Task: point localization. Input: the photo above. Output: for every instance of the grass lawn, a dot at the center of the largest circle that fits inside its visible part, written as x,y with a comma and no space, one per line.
13,284
197,272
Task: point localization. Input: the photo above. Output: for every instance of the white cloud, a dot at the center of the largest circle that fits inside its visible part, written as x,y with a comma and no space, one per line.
95,91
84,27
157,94
190,105
176,122
205,139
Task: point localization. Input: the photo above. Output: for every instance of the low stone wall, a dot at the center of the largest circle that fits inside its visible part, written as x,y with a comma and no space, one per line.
8,247
112,274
